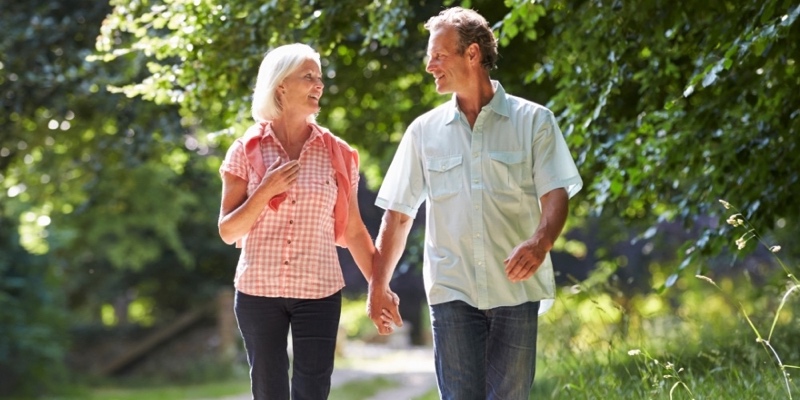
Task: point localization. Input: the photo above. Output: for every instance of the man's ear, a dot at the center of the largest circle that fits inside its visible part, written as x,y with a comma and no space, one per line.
474,53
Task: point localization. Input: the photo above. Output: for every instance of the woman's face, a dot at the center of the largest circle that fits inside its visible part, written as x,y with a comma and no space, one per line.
301,90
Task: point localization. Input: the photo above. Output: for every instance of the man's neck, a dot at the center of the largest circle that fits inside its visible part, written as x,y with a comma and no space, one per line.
474,98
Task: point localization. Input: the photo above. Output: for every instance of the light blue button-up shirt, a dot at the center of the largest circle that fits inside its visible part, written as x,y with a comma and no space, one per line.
482,187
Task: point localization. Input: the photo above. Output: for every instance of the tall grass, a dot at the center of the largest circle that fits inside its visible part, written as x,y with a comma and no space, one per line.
700,350
699,341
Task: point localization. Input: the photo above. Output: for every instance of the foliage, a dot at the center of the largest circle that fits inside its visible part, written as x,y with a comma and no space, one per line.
32,321
202,59
110,196
671,106
635,84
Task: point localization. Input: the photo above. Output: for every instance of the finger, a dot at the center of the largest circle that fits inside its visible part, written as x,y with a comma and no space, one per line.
524,272
396,316
384,329
515,271
295,170
275,164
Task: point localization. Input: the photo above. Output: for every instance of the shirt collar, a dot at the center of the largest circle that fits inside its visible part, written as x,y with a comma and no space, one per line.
498,103
316,132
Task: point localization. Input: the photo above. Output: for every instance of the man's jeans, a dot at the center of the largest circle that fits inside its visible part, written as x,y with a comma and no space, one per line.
484,354
264,323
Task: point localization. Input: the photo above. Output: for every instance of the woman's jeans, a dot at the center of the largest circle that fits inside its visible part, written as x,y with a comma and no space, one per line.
484,354
264,323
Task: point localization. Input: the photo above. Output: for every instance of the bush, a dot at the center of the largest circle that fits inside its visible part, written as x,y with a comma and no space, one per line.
32,321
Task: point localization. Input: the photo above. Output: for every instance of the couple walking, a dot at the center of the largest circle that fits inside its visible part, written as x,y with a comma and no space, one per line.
496,176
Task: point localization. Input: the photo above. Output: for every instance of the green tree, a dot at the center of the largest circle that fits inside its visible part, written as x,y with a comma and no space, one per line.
668,106
102,195
673,106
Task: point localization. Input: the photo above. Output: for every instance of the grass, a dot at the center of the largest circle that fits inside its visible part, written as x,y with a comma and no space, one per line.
173,392
354,390
701,349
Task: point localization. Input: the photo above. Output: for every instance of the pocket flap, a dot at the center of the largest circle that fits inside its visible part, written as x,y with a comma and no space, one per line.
441,164
507,157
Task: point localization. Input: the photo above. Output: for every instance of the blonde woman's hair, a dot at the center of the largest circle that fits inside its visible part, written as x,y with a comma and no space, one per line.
278,63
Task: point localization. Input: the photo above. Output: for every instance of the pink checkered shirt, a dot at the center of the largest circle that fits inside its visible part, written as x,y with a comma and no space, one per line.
291,252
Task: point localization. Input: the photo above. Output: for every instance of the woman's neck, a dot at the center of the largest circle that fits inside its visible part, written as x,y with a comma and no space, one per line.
291,131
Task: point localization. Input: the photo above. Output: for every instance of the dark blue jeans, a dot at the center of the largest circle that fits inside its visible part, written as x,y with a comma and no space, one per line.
484,354
264,324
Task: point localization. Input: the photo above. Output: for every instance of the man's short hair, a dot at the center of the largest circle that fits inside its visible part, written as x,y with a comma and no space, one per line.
471,28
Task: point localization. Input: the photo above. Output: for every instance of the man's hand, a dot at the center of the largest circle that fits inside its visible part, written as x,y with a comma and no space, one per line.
524,260
383,310
529,255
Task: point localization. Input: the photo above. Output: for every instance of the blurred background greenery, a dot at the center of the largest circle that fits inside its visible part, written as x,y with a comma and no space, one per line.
115,117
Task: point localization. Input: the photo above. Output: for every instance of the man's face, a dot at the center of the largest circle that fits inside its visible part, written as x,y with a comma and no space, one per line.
449,69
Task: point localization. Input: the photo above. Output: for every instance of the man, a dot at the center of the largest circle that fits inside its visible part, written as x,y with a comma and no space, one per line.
497,175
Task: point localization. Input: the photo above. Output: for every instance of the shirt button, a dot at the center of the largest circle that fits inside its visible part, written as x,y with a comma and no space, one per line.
475,155
287,263
475,180
294,201
289,242
291,222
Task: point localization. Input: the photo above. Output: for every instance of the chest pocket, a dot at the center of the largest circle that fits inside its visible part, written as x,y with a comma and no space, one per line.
507,170
324,188
445,175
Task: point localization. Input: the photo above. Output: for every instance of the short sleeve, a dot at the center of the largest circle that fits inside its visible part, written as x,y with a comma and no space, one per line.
403,187
235,161
553,166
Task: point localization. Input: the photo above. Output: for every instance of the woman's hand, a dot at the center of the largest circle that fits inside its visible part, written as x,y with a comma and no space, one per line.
279,177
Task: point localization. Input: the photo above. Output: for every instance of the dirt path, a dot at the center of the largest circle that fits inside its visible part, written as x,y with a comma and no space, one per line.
410,366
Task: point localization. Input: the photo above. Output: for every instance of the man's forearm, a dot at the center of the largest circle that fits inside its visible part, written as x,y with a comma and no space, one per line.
390,244
555,207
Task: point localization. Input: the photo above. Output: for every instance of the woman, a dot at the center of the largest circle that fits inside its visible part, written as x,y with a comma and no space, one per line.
289,195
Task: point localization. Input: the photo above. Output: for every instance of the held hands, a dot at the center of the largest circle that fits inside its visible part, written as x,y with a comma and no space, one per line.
382,308
524,260
280,177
